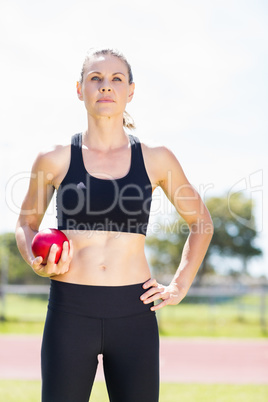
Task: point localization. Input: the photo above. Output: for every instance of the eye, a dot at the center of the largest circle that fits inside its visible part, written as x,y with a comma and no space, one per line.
95,78
117,79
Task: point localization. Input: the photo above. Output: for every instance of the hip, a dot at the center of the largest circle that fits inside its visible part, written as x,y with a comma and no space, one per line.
98,301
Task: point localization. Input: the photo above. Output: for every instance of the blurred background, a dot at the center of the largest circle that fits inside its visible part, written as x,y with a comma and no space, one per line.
200,70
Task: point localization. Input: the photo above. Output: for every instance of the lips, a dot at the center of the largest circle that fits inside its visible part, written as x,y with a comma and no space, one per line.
105,99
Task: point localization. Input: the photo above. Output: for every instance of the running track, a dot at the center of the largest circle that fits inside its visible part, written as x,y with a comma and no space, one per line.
181,360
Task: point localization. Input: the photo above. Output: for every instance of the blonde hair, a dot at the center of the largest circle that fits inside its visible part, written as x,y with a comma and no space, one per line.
128,122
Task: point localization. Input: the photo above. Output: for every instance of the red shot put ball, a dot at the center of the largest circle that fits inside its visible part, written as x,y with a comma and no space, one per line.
44,239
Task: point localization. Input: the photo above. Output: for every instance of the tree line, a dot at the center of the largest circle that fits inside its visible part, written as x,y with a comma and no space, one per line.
234,236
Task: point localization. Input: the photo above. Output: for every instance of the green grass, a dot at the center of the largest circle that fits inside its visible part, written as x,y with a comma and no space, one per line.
238,318
24,315
29,391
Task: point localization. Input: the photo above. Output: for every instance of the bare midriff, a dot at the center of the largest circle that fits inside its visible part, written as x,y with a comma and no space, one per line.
103,258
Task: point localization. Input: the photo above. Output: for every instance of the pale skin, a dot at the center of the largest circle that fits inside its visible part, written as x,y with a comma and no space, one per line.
112,258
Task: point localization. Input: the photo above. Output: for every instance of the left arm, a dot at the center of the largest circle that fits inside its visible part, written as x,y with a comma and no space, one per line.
189,205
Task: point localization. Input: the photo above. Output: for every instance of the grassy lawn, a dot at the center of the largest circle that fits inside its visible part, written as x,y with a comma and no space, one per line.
238,318
24,315
29,391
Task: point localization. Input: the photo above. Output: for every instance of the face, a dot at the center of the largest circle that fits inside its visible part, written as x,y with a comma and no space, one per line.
105,89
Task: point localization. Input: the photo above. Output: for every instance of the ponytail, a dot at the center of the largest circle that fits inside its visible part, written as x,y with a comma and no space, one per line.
128,122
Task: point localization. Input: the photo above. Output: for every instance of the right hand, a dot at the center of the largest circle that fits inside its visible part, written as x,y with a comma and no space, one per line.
52,269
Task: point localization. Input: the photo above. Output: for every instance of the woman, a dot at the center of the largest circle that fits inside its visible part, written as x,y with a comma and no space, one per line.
102,295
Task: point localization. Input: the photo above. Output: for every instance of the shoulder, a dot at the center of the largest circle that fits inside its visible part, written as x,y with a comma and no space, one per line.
159,153
156,150
52,155
161,159
52,161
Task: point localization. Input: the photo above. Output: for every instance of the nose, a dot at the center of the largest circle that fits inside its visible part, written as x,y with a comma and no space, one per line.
105,87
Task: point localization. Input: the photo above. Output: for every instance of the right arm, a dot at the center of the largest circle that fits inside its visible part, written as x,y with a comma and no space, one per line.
33,208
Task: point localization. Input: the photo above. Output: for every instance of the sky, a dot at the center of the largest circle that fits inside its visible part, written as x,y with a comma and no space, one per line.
200,70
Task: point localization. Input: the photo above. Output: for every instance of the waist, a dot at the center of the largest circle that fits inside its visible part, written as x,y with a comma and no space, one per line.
97,301
106,258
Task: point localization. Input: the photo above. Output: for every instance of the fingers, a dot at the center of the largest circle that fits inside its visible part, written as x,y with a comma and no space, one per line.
65,252
160,305
167,294
155,291
170,294
52,254
152,294
39,268
161,294
52,269
63,264
37,262
149,283
71,251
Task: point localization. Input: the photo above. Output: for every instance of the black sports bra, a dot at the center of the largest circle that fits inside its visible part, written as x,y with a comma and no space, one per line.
85,202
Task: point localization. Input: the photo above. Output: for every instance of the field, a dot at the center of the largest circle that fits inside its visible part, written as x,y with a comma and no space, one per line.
236,317
29,391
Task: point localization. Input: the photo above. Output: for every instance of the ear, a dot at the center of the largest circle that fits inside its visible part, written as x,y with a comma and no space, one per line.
79,90
131,92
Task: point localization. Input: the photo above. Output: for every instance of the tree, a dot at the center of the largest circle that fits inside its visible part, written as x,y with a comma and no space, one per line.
234,227
234,236
18,272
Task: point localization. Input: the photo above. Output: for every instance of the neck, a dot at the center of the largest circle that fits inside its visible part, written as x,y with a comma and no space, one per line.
105,133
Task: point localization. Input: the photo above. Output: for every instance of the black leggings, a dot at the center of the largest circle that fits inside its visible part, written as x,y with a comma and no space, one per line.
85,321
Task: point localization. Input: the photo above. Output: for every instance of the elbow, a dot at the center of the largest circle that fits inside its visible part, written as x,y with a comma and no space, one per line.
19,226
209,227
203,226
18,231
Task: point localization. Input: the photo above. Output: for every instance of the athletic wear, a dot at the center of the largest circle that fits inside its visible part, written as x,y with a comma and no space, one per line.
85,202
84,321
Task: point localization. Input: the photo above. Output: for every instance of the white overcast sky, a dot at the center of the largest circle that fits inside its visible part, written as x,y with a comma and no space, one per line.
200,69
